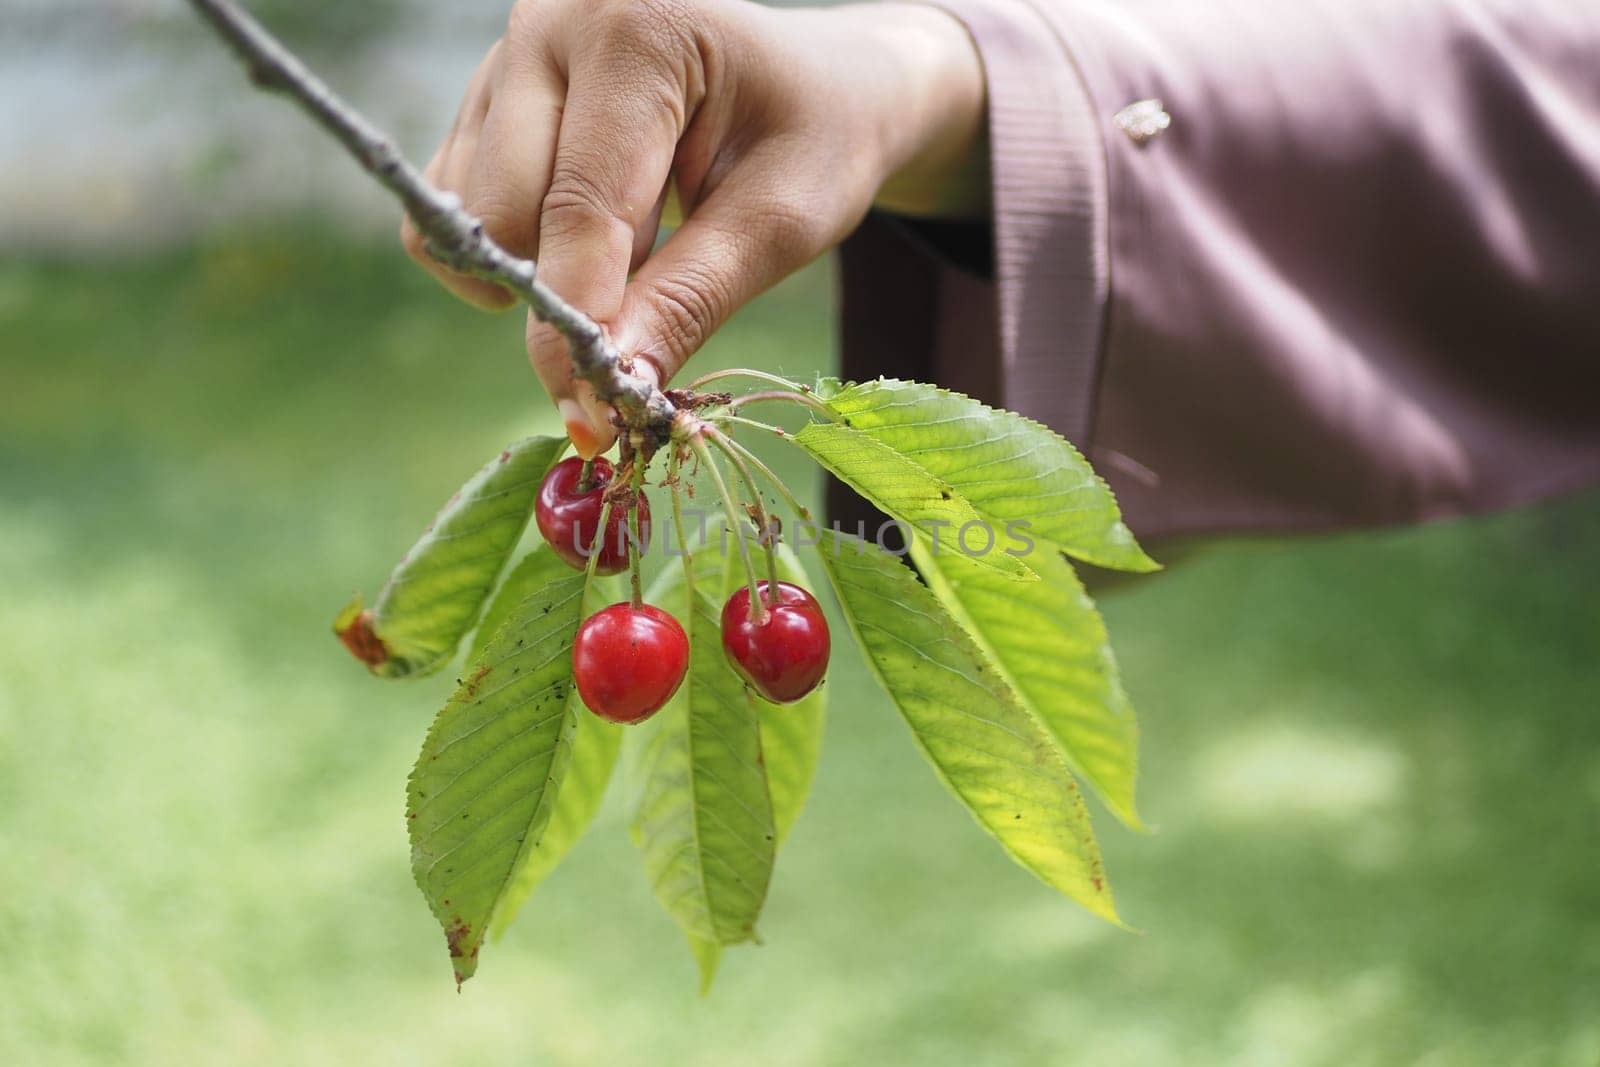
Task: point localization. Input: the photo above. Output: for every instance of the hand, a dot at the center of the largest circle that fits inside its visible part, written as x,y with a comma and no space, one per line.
777,128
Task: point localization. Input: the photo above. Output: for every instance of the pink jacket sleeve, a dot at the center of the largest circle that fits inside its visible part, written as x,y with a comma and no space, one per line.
1277,265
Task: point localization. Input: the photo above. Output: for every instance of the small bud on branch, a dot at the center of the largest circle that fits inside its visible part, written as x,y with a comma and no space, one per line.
454,237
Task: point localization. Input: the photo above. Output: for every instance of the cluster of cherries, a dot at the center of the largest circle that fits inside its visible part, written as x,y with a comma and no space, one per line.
629,659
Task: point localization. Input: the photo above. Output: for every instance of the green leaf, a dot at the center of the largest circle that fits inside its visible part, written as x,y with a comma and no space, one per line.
484,788
1049,643
594,755
900,487
437,590
1008,467
986,747
705,820
669,593
712,574
594,746
708,958
791,735
536,570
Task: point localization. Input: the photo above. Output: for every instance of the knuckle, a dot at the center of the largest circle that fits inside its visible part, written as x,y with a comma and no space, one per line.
647,25
792,228
574,201
687,310
659,47
526,23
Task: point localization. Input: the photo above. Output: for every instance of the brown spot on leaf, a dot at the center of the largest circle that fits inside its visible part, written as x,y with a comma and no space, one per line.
476,680
456,935
363,642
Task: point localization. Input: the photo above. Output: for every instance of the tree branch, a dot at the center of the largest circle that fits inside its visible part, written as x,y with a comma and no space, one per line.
454,237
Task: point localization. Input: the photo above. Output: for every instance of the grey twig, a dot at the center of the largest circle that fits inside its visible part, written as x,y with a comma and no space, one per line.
454,237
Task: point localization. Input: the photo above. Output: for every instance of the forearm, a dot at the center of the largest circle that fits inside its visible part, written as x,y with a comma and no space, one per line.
937,158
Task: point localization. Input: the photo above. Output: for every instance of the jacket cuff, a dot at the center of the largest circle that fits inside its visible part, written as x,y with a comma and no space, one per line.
1048,169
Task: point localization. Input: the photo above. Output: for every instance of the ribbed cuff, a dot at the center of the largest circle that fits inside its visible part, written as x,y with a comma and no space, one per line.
1048,171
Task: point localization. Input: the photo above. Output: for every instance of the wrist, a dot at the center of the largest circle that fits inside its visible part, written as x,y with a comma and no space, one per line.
935,131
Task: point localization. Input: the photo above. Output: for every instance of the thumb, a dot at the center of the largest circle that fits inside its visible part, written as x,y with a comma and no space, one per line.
738,244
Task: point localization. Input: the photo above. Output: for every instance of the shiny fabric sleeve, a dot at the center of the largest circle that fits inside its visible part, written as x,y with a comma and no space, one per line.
1282,266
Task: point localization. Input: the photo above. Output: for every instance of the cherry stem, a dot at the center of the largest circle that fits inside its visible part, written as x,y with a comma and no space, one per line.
741,372
595,547
803,399
636,549
766,472
707,460
723,416
586,476
765,534
673,477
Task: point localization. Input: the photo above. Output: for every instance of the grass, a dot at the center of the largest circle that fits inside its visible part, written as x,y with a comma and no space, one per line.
1374,760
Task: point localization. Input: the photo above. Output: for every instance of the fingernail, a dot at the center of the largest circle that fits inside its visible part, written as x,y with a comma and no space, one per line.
596,413
579,428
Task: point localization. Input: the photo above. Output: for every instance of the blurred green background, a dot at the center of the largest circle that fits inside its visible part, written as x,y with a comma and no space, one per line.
1374,760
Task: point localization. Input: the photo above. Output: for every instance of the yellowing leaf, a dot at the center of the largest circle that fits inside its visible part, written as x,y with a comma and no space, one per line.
902,489
968,721
1008,467
1048,641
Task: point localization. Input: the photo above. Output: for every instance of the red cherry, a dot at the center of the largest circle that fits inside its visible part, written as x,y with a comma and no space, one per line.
568,517
629,661
783,654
